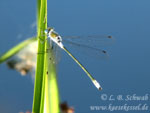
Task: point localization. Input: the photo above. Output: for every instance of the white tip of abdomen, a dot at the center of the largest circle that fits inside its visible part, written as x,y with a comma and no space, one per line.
97,85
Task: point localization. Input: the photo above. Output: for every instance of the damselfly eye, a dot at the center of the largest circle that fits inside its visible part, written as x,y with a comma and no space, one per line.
46,31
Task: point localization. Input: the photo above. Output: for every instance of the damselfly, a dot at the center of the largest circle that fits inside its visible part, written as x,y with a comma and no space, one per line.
57,39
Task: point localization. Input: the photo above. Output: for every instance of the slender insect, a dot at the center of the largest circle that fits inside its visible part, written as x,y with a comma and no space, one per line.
55,37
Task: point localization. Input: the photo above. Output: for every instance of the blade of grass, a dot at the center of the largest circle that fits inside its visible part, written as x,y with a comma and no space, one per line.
50,95
44,14
16,49
51,86
38,86
43,101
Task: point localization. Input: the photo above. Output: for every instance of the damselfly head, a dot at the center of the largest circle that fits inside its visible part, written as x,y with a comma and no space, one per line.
48,30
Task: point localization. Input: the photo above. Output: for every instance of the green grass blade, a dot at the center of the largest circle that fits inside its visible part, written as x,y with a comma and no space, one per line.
51,86
16,49
41,20
43,13
46,97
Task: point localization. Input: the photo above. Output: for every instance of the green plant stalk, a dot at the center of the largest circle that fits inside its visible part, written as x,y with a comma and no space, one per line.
42,25
44,7
38,11
16,49
50,94
44,13
53,99
44,102
51,86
